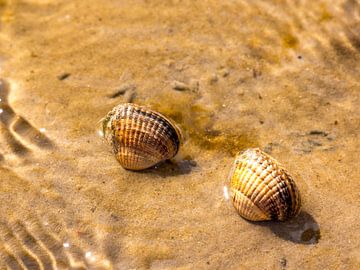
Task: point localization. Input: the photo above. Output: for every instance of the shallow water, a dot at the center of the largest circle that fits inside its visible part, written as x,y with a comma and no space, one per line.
271,74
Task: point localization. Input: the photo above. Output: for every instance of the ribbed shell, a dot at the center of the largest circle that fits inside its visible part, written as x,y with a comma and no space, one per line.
140,137
261,189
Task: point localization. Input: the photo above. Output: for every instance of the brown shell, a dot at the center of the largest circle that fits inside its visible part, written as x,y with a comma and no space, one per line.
261,189
140,137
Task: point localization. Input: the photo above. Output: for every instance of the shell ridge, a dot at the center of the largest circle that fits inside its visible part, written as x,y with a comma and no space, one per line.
140,137
262,189
259,182
246,207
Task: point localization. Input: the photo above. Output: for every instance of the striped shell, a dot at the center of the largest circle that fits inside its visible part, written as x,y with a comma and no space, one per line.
261,189
140,137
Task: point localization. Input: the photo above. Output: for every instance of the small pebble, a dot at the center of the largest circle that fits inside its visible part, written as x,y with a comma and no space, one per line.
213,79
256,73
283,262
122,90
224,72
119,92
179,86
318,132
64,76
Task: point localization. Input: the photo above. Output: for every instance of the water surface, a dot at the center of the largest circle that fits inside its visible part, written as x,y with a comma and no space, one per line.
278,75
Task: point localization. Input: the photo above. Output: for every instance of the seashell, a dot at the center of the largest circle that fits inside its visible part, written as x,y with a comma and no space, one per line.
261,188
140,137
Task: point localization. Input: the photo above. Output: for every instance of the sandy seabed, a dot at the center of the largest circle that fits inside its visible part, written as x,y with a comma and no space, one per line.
279,75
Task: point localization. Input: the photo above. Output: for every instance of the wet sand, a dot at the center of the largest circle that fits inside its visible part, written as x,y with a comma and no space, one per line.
271,74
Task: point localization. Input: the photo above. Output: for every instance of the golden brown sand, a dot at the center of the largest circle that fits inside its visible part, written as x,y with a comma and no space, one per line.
234,74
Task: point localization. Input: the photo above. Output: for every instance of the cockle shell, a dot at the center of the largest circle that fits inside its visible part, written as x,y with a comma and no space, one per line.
140,137
261,188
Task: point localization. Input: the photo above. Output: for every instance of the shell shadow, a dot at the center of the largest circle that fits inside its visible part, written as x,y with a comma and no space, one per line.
302,229
171,168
